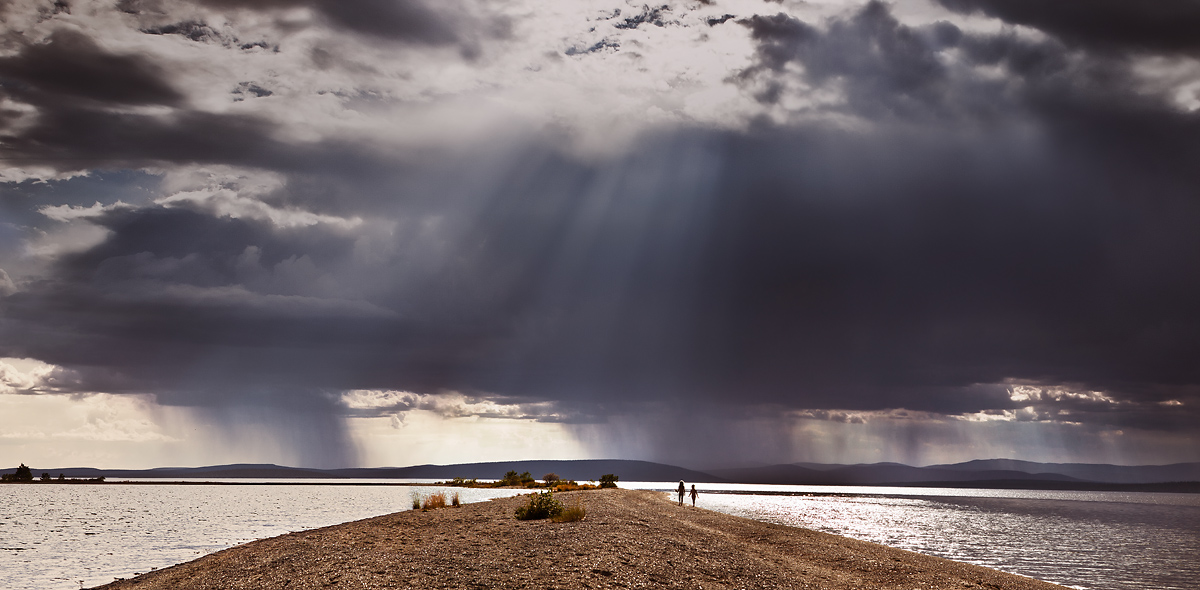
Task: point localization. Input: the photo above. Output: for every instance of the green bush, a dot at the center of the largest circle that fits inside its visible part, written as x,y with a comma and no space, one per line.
608,480
541,505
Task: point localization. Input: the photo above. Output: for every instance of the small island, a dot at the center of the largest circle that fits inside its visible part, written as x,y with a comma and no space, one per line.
626,539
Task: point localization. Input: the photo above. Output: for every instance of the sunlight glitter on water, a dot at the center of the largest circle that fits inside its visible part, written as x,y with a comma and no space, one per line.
57,537
1094,540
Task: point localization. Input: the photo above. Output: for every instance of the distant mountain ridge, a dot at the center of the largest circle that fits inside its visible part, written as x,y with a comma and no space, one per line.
1090,471
580,470
989,473
992,470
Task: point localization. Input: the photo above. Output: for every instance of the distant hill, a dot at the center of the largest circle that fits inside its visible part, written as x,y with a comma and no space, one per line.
991,473
1089,471
582,470
873,474
1012,472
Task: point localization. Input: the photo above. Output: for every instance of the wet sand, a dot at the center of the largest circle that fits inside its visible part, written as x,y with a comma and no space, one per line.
629,539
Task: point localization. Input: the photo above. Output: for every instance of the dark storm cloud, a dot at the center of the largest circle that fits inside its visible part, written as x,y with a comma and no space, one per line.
402,20
891,71
1161,26
72,137
1035,227
815,271
70,66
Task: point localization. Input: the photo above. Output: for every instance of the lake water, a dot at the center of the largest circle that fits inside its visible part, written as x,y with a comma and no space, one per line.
1094,540
58,537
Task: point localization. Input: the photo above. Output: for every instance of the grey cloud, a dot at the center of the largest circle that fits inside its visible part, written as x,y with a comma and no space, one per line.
1163,26
70,137
650,15
1037,226
193,30
404,20
789,281
6,285
69,65
888,71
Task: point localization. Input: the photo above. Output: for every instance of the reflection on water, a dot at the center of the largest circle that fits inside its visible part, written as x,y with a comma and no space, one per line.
57,537
64,536
1095,540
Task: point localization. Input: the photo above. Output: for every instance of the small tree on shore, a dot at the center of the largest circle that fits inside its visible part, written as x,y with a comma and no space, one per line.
23,473
608,480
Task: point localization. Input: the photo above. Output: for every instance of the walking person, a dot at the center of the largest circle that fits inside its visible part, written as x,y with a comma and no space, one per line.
694,494
681,491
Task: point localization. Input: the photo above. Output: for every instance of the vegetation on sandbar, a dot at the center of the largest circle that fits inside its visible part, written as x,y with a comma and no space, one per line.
550,481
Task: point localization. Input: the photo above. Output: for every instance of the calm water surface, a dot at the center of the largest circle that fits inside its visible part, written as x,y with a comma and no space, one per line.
66,536
56,537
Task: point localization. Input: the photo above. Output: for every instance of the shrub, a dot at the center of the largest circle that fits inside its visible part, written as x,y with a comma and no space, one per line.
571,486
608,481
23,473
551,478
455,501
416,502
541,505
437,500
572,513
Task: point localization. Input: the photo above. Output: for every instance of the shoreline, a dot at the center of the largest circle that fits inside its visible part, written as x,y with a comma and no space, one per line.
629,538
1187,487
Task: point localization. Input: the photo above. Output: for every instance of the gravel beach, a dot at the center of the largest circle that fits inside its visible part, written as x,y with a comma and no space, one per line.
629,539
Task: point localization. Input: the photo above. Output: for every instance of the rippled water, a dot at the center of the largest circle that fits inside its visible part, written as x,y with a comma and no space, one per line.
66,536
57,537
1094,540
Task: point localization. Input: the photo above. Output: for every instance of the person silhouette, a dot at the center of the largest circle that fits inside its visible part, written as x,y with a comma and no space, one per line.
694,494
681,491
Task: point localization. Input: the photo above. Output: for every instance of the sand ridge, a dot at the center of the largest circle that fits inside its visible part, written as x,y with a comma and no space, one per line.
629,539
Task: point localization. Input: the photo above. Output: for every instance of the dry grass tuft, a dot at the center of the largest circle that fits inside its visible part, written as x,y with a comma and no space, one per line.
437,500
573,513
455,502
571,486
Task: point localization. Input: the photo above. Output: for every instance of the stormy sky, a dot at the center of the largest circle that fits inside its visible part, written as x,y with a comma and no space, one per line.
705,232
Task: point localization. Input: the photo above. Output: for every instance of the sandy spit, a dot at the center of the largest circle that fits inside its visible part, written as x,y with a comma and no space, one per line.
629,539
